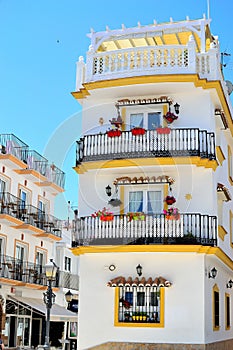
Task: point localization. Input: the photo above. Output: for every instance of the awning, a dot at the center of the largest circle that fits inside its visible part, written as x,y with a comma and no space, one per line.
139,282
58,313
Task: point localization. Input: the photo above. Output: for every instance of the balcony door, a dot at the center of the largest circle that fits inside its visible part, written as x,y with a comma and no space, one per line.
148,121
19,260
148,201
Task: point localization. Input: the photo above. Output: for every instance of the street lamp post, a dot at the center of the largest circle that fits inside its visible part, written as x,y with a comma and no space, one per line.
49,297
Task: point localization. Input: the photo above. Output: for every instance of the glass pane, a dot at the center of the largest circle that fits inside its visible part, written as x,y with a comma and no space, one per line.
26,331
154,202
2,186
154,120
140,298
23,197
153,299
129,297
136,120
135,201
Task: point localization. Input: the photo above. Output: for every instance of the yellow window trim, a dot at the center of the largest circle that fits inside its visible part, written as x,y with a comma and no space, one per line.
131,324
215,289
221,232
230,159
231,227
220,155
227,296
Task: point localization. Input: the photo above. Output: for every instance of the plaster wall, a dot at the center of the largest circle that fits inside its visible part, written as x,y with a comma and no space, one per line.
184,320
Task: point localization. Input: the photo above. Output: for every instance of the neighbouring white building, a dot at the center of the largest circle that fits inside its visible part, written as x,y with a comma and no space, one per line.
29,237
157,133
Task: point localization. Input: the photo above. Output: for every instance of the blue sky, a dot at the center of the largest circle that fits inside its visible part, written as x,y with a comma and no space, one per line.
40,44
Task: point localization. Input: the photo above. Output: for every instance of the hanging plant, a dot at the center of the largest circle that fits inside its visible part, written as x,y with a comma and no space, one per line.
170,117
170,200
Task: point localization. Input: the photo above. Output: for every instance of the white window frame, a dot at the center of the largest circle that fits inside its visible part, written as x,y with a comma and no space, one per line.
145,110
145,190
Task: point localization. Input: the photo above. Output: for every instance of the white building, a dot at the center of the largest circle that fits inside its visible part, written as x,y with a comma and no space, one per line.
152,276
29,237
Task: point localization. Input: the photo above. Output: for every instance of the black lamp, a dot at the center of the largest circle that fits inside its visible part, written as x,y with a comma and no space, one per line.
213,273
139,270
230,284
177,108
69,296
108,190
49,297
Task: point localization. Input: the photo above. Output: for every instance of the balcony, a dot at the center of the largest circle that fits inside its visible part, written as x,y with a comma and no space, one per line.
25,272
190,228
16,154
178,143
12,151
28,218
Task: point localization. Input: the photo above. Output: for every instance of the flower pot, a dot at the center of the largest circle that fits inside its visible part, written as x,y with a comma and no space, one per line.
114,133
163,131
173,217
138,131
106,218
139,318
170,201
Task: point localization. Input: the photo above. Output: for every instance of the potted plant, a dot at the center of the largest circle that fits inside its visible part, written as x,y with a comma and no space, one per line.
138,131
136,216
172,214
139,316
170,200
104,215
170,117
161,130
114,133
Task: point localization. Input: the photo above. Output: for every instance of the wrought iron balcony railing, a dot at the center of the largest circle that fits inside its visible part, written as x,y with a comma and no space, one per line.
24,271
178,143
68,280
193,228
10,144
29,214
28,272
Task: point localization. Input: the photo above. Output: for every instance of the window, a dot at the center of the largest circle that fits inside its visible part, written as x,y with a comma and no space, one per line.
2,185
147,120
227,311
67,263
230,165
147,201
23,199
140,306
216,318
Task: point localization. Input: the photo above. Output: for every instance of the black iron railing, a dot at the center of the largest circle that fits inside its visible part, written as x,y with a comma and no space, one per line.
193,228
178,143
29,272
10,144
28,214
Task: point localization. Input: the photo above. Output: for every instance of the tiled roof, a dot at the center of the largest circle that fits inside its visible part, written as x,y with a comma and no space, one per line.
139,282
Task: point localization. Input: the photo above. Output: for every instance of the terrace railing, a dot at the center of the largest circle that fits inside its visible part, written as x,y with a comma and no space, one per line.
28,214
29,272
10,144
148,60
180,142
190,228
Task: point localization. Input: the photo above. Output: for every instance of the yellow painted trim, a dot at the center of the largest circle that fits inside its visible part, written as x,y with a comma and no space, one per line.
231,227
158,248
13,159
32,172
48,235
122,198
226,326
131,324
120,163
165,110
230,159
57,188
28,227
215,289
123,117
165,193
220,154
221,232
166,78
